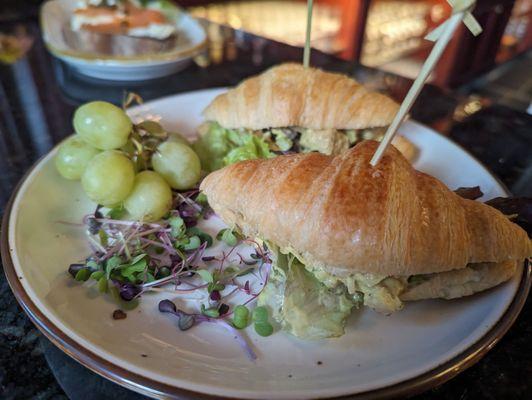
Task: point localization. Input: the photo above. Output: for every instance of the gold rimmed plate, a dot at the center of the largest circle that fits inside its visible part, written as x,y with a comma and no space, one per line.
379,356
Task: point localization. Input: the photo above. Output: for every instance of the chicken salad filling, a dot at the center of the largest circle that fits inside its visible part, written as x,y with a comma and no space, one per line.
218,146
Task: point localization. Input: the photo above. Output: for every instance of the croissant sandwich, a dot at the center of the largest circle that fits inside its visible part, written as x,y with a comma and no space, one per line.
344,233
290,108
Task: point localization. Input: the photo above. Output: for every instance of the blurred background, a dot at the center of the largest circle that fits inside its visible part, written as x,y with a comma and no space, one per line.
387,34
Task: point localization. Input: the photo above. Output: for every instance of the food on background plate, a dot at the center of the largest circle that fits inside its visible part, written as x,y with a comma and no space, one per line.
343,233
290,108
123,27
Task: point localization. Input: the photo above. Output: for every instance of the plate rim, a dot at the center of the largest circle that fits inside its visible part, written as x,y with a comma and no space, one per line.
153,388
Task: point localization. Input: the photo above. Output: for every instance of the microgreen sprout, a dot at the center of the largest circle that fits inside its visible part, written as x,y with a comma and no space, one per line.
131,258
263,328
83,275
187,321
229,236
260,319
205,275
210,312
260,314
241,317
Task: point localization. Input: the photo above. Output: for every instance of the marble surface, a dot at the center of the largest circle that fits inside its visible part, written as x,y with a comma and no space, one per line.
38,96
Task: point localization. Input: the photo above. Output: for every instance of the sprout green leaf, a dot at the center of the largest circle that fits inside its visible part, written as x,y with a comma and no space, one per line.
111,264
240,317
210,312
260,314
263,328
205,275
83,275
177,225
102,285
96,275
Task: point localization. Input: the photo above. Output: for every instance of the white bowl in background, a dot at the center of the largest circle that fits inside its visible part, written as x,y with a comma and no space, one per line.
191,40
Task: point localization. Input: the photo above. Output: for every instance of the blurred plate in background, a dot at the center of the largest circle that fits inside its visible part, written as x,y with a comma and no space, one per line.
55,17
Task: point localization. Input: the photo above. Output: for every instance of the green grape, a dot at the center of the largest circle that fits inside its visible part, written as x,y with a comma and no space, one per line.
150,199
73,156
108,178
102,125
178,164
177,138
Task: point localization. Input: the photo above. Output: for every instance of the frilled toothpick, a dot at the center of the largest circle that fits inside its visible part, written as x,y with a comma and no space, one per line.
441,35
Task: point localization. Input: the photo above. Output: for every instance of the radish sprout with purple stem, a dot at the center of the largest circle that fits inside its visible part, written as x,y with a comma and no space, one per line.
131,258
144,234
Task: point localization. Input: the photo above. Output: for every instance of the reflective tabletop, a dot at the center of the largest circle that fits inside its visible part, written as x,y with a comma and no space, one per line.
38,95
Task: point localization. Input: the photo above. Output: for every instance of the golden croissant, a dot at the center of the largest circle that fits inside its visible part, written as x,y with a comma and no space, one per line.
291,95
381,235
300,109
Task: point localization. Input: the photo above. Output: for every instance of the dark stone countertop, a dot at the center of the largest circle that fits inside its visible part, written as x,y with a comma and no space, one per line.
37,98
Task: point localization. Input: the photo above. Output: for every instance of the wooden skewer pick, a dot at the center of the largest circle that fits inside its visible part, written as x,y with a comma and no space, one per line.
306,51
442,35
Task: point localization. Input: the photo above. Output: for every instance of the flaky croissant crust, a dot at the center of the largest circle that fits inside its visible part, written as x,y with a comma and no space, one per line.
341,213
291,95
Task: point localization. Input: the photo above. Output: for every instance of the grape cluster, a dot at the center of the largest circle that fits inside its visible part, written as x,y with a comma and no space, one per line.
99,154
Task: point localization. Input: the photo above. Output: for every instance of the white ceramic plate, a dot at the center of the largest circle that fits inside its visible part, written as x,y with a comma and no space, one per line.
376,352
191,41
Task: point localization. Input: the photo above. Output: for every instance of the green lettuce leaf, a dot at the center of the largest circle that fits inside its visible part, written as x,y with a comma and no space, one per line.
303,305
212,146
218,147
